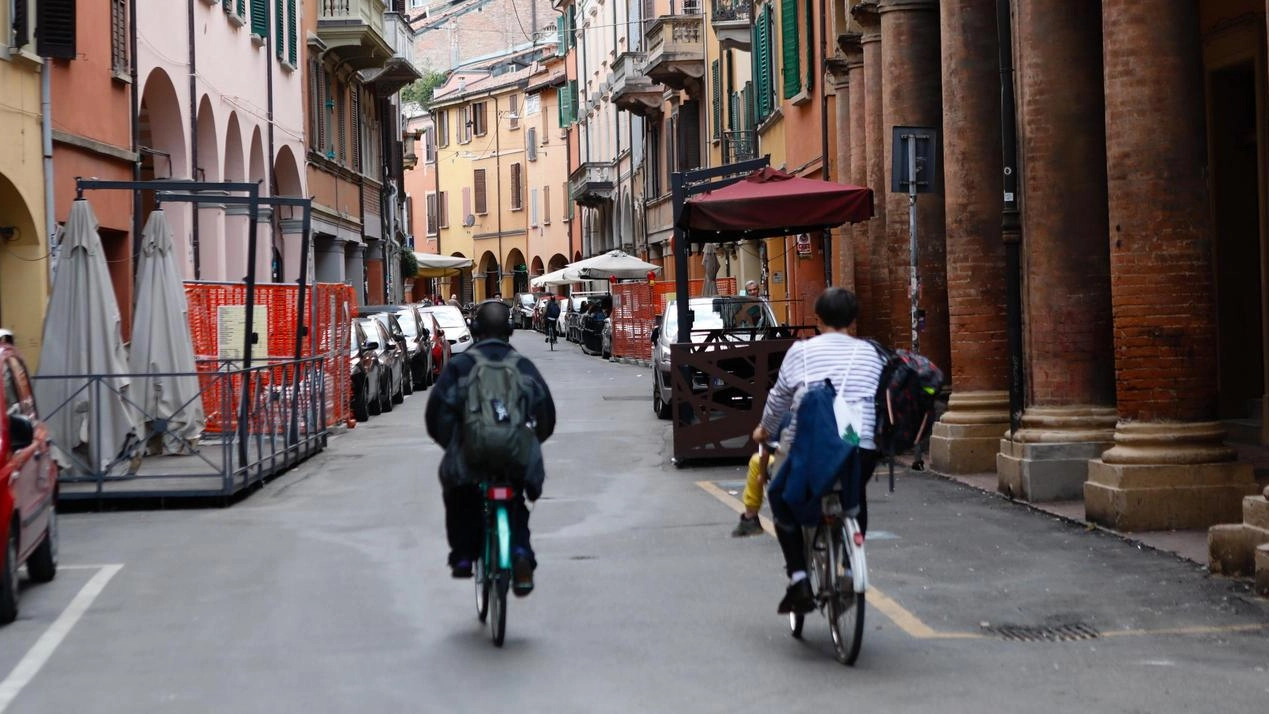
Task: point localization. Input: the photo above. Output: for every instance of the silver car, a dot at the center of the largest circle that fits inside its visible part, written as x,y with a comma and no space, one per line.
453,325
740,319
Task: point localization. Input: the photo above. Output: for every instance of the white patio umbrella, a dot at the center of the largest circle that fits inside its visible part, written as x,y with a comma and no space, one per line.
161,345
556,278
82,337
614,263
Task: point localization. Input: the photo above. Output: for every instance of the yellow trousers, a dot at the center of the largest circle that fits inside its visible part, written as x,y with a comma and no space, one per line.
755,487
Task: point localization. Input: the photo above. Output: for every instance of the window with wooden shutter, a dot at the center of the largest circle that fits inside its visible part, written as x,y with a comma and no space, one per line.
531,143
292,34
441,119
790,52
259,18
478,119
517,187
429,138
810,46
533,208
762,57
240,8
546,205
478,186
562,104
466,204
119,37
690,134
442,209
279,26
568,205
341,115
561,48
432,224
21,30
716,97
514,116
55,28
356,122
733,112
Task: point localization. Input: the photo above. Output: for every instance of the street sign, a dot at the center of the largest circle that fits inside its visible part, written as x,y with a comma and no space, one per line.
804,245
905,141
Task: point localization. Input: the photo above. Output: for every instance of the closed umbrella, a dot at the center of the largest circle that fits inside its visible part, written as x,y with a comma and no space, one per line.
82,336
161,345
710,260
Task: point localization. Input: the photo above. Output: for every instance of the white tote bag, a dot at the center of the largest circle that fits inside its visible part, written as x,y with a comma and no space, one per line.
848,413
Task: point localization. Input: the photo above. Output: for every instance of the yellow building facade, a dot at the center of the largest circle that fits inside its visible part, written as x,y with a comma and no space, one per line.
24,249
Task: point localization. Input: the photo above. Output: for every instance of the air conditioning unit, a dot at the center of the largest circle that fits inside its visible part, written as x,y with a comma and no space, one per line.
469,220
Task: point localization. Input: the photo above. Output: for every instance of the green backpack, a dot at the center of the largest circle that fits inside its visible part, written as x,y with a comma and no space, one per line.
498,437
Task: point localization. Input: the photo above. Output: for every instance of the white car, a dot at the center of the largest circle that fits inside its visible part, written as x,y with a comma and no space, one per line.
741,318
453,325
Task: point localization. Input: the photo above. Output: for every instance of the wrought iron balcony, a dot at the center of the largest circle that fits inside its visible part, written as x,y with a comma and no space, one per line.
676,52
730,19
631,88
353,31
739,146
592,183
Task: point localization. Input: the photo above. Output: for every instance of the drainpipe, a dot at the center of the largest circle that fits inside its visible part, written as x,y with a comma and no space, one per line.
46,130
1011,223
269,55
193,135
135,102
498,183
824,167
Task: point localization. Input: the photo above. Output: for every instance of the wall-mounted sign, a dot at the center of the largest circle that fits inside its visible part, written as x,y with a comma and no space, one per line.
777,277
804,245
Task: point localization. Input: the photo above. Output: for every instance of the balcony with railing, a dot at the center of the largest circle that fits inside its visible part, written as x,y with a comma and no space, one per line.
632,90
739,146
399,69
592,183
730,19
676,50
353,31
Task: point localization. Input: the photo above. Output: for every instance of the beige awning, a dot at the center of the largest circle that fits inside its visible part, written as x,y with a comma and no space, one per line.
432,265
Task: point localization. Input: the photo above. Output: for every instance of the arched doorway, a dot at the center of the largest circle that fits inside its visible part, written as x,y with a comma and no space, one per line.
519,271
165,156
488,275
537,267
210,237
557,262
460,286
286,176
23,270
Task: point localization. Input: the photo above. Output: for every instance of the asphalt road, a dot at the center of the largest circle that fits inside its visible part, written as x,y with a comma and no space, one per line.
327,591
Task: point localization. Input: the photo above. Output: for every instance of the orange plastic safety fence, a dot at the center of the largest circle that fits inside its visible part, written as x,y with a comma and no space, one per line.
635,307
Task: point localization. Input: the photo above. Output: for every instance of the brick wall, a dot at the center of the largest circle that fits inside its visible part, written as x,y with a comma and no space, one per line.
479,28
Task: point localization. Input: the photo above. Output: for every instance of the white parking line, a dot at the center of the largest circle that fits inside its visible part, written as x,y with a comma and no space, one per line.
43,649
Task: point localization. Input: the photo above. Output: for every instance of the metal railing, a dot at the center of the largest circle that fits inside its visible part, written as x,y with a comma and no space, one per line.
365,12
285,424
739,146
729,10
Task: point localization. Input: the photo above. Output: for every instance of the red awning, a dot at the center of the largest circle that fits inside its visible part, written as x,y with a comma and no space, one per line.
768,203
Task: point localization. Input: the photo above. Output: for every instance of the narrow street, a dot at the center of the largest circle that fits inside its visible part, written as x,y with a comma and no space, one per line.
327,591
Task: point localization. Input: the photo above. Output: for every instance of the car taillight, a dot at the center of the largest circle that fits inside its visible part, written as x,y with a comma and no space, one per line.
500,493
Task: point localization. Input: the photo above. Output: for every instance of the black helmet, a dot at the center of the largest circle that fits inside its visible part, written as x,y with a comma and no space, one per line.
491,319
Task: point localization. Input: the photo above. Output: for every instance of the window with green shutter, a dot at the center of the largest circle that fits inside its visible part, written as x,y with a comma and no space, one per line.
790,52
279,36
764,47
716,96
292,34
562,47
733,112
259,18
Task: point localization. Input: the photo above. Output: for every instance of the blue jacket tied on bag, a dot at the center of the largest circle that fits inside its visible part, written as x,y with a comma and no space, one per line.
818,460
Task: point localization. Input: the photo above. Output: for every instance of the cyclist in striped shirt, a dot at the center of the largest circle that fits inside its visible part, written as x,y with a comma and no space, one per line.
854,366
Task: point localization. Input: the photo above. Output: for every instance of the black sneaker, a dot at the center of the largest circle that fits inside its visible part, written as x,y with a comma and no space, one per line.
798,598
747,527
460,570
522,577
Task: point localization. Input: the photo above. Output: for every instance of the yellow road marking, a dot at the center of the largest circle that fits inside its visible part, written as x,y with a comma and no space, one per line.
899,615
914,627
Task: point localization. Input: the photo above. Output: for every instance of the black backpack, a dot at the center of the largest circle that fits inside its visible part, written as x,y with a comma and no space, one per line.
909,387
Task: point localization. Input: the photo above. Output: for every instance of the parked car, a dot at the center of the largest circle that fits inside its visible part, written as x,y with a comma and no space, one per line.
522,307
365,372
456,330
740,319
28,498
438,345
391,358
572,319
407,328
539,314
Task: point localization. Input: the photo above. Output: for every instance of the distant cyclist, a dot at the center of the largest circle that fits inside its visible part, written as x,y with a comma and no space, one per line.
552,318
448,420
852,365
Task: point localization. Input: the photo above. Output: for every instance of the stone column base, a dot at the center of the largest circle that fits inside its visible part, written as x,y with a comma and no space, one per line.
1047,459
1232,547
967,438
1165,476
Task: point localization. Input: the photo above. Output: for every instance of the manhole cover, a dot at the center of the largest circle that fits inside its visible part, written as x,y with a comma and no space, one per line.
627,398
1046,633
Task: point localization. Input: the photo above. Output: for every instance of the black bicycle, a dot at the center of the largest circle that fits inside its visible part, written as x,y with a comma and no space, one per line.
551,336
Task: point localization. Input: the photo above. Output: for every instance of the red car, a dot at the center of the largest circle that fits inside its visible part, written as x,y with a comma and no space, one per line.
441,351
28,501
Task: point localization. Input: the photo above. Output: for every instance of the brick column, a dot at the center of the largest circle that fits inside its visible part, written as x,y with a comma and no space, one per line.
843,238
874,231
967,438
1069,417
1169,467
856,173
913,96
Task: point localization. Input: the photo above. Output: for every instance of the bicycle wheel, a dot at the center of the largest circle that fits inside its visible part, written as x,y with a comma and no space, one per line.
847,632
498,607
482,589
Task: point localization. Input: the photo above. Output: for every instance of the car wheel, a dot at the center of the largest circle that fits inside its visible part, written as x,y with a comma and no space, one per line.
374,405
399,396
361,408
385,396
42,567
659,405
9,579
407,382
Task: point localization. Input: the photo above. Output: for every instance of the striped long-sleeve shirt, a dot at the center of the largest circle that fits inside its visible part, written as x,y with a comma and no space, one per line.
852,364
